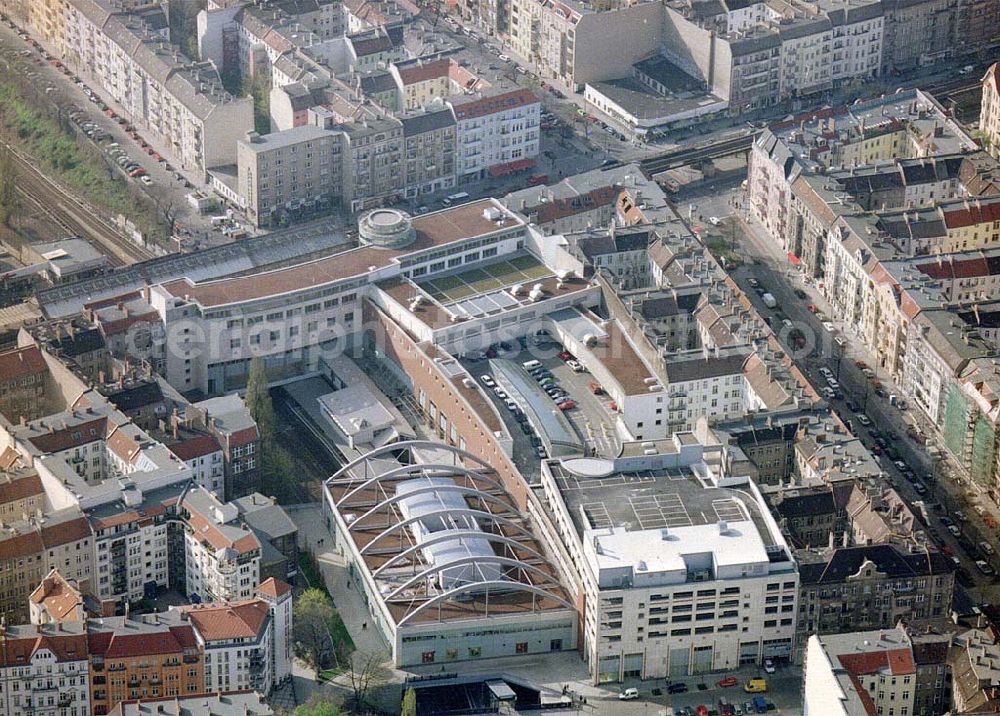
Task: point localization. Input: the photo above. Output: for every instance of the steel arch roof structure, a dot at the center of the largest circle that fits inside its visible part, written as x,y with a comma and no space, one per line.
468,550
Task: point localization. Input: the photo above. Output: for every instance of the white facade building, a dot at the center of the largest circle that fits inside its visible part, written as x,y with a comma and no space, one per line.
699,580
278,597
44,670
496,130
859,674
237,640
182,106
222,556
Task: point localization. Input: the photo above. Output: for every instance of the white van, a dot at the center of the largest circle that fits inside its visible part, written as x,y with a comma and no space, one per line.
531,364
455,198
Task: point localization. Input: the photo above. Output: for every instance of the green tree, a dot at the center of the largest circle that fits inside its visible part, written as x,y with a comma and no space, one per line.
184,25
277,467
259,88
409,707
311,617
319,706
258,399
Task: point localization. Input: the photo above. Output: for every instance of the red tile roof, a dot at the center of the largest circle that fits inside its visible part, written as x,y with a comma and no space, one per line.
197,446
993,75
8,458
495,103
119,643
273,588
460,223
59,597
978,212
221,622
66,438
66,532
123,518
21,545
21,362
14,487
561,208
65,647
951,269
206,531
423,72
894,661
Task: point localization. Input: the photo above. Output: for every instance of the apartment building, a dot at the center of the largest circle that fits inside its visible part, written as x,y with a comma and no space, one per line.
23,376
664,599
420,82
496,130
21,491
907,125
180,104
272,525
283,174
428,151
989,113
229,421
44,670
972,658
32,546
150,656
131,550
768,53
56,600
862,672
129,329
573,43
869,587
222,556
236,638
375,150
277,594
918,32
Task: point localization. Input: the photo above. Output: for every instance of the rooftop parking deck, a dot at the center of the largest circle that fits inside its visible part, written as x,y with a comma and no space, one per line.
597,496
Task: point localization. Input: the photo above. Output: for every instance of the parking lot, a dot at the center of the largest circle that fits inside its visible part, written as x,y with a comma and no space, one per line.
562,379
783,695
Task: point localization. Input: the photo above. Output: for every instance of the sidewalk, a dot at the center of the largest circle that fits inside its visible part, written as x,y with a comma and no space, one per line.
317,539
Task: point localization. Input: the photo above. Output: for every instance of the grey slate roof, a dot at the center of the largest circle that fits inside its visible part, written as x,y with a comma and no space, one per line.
421,122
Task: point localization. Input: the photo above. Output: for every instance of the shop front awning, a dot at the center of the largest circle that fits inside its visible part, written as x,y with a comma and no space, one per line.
518,165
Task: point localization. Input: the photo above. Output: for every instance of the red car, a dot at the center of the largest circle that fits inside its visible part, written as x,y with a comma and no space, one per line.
137,172
566,355
727,682
701,710
569,404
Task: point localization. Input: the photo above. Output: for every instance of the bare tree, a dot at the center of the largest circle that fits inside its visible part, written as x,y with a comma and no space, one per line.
367,674
168,211
8,185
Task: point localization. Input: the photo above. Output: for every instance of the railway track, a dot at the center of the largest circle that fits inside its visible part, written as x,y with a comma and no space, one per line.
72,214
688,155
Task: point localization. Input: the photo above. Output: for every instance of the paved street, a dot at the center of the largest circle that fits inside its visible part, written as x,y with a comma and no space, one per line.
945,480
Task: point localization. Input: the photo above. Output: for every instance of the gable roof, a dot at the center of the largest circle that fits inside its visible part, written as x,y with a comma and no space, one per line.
482,106
273,588
21,362
847,561
222,622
